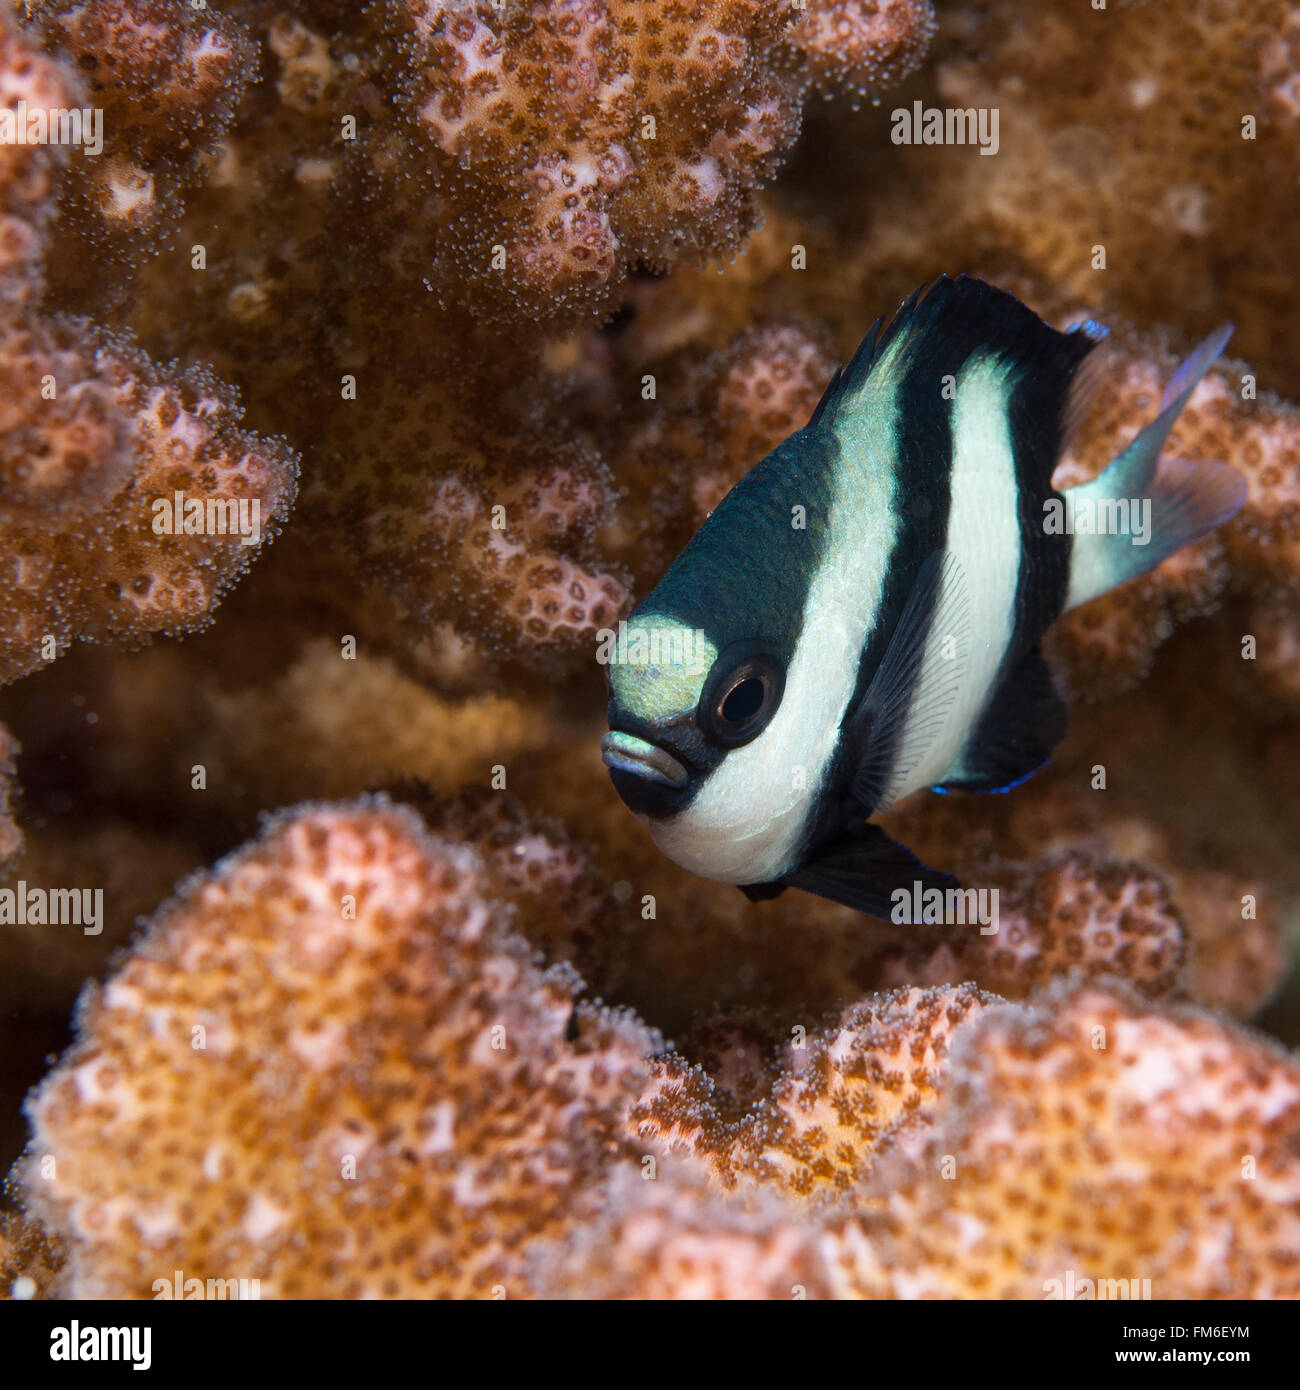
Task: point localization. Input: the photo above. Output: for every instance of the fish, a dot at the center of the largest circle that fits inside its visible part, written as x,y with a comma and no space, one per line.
861,616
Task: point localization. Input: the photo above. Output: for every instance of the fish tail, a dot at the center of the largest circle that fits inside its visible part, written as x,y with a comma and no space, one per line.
1143,507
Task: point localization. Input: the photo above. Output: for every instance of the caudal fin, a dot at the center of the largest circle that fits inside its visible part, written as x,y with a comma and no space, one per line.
1142,508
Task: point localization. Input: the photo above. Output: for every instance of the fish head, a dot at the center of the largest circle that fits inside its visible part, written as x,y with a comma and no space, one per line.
679,700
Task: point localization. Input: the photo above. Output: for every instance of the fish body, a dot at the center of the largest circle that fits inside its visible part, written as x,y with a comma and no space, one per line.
861,616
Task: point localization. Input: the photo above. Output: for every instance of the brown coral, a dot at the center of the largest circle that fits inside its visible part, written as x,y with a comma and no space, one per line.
1071,916
864,45
484,518
1097,1139
167,78
110,467
834,1096
1096,1147
596,134
340,990
1091,884
93,437
481,496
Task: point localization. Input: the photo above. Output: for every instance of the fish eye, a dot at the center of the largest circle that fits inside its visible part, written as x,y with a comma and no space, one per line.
741,694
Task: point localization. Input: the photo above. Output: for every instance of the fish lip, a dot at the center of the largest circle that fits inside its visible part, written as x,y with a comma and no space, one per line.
624,752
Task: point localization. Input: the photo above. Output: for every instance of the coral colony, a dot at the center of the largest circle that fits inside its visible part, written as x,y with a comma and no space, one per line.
363,368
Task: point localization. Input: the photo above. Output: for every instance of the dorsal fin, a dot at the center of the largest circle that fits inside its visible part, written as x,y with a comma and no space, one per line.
947,322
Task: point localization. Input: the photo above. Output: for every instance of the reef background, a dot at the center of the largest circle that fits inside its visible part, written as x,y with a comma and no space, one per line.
736,254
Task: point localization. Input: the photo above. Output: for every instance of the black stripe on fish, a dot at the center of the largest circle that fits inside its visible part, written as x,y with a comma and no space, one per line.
948,324
1025,717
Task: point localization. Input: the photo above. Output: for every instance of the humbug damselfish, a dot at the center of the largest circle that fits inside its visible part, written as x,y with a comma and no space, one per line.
860,617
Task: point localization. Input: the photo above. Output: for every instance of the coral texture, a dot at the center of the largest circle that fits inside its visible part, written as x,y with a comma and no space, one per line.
93,434
1079,1145
340,990
590,135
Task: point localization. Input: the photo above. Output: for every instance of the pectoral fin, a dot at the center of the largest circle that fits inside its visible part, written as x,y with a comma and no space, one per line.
907,706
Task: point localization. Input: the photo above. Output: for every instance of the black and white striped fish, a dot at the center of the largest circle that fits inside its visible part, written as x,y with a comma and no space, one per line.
860,617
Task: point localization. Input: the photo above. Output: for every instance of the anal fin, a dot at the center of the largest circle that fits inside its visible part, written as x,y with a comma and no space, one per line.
1024,720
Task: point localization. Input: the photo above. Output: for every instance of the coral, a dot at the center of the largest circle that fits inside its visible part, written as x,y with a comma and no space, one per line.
675,1238
126,440
589,135
29,1261
1089,886
755,394
834,1098
1274,674
29,173
286,736
167,78
44,964
1093,1139
495,526
1100,1136
446,1102
1147,132
864,45
92,435
557,899
365,1047
1072,916
527,287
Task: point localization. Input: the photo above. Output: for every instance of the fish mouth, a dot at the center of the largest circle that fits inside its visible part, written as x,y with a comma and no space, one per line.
627,753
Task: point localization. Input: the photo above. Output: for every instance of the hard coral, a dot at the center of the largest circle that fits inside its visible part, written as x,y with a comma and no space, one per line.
92,434
167,77
484,517
479,498
590,135
127,437
1090,886
1071,916
833,1097
864,45
1094,1147
1097,1138
341,990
